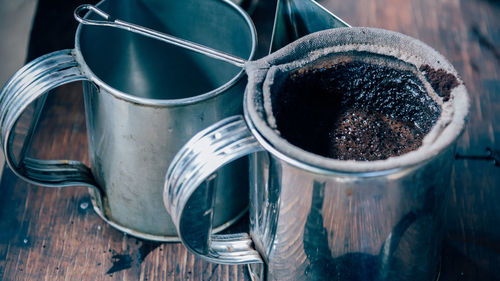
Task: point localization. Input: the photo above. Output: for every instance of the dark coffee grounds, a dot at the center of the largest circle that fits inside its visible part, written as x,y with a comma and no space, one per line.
441,81
361,136
353,108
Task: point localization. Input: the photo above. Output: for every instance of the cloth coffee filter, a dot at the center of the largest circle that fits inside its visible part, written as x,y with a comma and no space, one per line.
263,74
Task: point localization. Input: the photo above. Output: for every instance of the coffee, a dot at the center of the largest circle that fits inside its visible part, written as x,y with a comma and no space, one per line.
354,106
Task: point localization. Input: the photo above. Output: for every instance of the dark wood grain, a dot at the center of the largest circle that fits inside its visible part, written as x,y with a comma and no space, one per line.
467,32
53,234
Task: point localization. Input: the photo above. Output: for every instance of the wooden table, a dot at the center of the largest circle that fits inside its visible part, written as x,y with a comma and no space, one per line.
53,234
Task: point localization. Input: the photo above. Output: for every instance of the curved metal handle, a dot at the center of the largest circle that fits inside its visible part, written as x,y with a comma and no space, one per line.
29,83
107,20
190,203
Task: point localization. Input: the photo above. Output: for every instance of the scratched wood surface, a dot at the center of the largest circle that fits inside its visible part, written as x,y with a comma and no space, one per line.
53,234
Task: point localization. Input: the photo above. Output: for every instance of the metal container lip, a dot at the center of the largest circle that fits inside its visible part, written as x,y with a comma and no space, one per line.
443,135
166,102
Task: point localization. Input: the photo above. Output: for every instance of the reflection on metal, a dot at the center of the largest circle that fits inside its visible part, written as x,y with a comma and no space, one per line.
293,19
297,18
107,20
141,83
143,101
311,217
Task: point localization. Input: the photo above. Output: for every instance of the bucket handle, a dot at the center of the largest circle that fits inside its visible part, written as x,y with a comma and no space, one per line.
24,88
190,203
107,20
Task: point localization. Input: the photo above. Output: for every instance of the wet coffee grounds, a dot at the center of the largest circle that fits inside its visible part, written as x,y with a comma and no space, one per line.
353,110
441,81
358,135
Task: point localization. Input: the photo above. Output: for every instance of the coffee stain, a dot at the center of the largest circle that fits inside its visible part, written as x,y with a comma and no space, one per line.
123,261
492,155
120,262
146,248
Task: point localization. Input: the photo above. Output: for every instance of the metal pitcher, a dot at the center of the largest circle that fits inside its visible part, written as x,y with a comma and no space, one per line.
143,101
318,218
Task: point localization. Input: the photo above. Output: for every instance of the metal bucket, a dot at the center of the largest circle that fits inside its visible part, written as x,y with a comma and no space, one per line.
143,101
318,218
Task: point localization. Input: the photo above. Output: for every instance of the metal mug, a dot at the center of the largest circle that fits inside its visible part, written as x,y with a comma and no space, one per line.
143,101
318,218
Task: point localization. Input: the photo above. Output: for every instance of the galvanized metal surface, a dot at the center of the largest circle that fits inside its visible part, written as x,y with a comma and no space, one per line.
293,19
296,18
45,216
315,218
143,101
110,21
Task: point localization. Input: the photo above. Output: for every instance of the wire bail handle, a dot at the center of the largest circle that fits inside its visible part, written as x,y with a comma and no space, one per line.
107,20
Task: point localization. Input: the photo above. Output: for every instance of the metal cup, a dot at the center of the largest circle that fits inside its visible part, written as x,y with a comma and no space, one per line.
317,218
143,100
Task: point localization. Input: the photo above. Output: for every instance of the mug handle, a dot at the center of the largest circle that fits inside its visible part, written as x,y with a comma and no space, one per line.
195,164
26,85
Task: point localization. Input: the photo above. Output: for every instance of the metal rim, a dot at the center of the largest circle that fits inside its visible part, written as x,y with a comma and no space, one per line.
168,102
